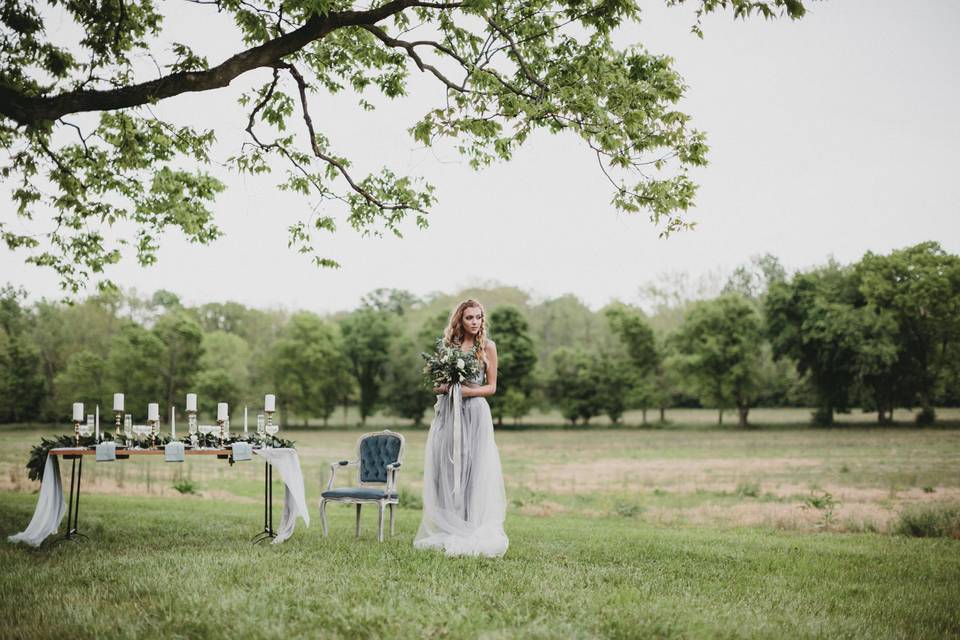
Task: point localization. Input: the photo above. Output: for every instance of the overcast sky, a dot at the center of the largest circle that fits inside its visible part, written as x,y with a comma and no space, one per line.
834,135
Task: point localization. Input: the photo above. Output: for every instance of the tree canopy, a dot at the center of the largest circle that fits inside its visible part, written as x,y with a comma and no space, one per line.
95,172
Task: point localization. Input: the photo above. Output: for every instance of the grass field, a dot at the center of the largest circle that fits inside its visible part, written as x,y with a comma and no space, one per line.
677,532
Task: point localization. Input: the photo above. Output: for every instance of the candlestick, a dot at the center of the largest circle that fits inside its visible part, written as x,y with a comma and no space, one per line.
191,402
118,402
117,417
220,422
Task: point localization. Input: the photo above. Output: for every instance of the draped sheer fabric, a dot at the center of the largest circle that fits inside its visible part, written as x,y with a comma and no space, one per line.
468,521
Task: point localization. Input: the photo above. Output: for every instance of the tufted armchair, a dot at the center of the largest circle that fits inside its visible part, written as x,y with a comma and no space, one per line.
380,455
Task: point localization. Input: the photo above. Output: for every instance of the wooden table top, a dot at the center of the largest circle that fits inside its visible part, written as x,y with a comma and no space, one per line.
71,451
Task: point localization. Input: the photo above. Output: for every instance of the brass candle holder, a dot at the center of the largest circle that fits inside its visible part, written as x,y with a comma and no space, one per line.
117,419
220,424
153,434
76,433
269,424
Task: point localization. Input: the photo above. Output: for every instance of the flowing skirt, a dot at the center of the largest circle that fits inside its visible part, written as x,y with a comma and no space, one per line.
468,521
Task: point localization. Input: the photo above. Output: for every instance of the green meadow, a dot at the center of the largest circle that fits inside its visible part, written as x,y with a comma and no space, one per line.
677,532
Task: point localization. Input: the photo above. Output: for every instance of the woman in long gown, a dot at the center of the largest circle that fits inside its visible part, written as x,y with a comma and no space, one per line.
465,517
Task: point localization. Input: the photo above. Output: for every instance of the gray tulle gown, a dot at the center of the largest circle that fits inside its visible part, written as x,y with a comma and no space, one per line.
468,521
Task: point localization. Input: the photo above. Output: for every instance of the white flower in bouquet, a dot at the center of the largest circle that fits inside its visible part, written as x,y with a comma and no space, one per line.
449,365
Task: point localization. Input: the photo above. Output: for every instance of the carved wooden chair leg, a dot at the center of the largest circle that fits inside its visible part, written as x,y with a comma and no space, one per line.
358,520
323,516
380,522
391,519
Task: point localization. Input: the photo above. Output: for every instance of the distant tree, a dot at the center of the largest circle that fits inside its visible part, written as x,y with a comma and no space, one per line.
919,287
563,322
22,386
572,385
133,368
83,380
813,320
516,360
405,391
395,301
179,362
634,361
431,330
616,383
310,369
224,374
367,336
720,343
753,279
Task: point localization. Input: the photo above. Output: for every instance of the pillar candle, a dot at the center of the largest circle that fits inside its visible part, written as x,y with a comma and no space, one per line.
78,412
96,424
270,402
173,423
192,402
244,421
153,412
118,402
222,412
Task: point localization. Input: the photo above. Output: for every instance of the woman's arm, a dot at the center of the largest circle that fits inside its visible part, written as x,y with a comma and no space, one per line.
491,387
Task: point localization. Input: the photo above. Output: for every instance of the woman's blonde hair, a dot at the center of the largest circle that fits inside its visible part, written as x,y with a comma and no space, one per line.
453,335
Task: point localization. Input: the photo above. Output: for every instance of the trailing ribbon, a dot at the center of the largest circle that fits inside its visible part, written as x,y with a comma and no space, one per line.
456,396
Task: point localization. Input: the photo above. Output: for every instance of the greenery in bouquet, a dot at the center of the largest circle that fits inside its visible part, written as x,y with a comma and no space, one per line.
449,365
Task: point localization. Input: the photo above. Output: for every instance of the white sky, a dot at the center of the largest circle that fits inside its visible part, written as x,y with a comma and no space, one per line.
834,135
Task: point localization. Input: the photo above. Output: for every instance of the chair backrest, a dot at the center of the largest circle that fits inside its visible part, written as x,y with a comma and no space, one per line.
377,450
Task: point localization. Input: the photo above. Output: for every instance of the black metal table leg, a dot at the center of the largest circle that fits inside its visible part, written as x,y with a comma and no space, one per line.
268,532
73,505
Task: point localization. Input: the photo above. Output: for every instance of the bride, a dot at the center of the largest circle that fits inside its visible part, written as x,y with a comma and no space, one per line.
465,517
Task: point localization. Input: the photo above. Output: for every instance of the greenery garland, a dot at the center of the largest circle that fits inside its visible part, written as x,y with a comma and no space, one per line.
39,452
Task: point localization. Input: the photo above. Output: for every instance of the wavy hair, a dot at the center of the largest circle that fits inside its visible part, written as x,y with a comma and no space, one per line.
453,335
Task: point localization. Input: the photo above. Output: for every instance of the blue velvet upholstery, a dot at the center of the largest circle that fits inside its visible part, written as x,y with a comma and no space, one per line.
370,493
376,452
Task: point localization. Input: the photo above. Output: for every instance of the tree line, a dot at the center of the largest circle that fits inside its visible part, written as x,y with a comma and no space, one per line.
878,334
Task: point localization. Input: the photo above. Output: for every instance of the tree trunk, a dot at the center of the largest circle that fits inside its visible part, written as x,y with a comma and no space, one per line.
663,415
743,411
644,416
720,417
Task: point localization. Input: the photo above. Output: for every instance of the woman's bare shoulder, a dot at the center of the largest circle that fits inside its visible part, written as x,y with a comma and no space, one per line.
490,346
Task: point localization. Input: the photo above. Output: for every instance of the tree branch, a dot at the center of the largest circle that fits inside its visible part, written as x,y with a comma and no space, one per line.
370,198
30,110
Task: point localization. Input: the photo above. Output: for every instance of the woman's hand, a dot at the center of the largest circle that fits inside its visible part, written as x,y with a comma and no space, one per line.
442,389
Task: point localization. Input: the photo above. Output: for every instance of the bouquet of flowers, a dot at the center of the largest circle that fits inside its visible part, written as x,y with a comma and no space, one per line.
449,365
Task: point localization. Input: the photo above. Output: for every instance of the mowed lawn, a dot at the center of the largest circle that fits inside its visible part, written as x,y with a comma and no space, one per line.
614,533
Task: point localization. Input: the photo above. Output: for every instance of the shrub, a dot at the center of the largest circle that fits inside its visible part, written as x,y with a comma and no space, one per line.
937,520
629,510
748,489
185,486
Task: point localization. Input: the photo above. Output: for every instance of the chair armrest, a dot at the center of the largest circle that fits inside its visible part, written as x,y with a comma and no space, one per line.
392,469
336,465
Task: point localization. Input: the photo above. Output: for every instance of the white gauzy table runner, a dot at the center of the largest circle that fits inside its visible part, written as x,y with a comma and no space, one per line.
50,507
287,463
